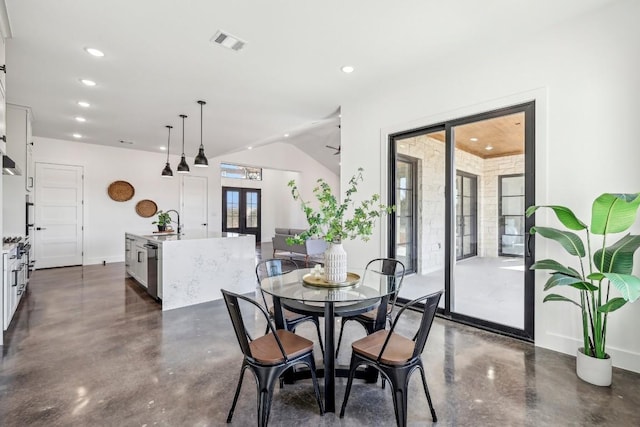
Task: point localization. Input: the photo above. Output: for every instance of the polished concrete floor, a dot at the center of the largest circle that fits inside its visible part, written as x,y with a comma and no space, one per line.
88,348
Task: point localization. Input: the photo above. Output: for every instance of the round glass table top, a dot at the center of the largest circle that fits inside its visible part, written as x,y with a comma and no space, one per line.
371,285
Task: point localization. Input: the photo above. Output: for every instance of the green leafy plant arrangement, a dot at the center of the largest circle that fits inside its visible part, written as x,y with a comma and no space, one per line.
164,219
610,213
328,222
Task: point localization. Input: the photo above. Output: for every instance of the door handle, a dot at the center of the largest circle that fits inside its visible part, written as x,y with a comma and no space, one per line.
41,228
528,245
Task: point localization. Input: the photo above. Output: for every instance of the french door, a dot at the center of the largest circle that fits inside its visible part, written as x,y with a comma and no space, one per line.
475,179
406,213
241,211
466,215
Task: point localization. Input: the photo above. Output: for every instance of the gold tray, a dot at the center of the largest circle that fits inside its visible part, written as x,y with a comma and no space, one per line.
310,279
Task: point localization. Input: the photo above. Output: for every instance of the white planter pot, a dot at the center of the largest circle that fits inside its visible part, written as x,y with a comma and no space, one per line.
335,263
592,370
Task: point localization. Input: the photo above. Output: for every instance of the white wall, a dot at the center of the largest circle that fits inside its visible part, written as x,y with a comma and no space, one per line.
585,82
105,221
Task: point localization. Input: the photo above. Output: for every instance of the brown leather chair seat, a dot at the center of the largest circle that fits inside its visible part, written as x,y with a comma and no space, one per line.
266,351
398,351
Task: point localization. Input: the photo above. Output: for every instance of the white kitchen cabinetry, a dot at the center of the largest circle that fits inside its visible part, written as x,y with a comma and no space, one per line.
3,129
14,285
136,258
18,134
141,262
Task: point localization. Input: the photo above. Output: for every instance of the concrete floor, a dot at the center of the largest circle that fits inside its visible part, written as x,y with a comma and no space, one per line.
88,348
481,284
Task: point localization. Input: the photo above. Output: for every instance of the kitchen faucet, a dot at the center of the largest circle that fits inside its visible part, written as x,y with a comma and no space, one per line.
178,215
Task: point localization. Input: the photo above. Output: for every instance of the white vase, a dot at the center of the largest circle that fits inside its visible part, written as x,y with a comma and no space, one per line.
592,370
335,263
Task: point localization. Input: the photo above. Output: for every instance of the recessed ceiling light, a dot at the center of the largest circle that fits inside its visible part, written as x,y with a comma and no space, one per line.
80,119
488,147
84,104
473,139
249,148
88,82
347,69
77,135
94,52
286,135
163,148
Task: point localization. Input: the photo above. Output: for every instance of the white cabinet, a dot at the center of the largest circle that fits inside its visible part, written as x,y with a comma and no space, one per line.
141,262
129,245
3,129
136,259
12,284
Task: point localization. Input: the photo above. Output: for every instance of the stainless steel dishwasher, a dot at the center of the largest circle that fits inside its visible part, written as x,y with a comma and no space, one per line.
152,269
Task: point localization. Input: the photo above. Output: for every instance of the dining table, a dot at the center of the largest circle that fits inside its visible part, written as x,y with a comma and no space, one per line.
304,291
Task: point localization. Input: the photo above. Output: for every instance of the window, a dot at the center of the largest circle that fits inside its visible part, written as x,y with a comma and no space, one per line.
511,215
230,170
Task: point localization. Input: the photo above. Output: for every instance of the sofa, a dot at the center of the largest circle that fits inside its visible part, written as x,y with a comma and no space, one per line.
310,248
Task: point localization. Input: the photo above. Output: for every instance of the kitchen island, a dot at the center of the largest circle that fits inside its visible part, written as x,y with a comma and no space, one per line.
191,268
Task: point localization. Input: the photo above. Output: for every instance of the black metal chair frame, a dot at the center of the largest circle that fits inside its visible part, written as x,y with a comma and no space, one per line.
289,325
265,375
398,375
389,268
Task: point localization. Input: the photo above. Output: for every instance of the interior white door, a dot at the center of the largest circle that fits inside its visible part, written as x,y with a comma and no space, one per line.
194,203
58,206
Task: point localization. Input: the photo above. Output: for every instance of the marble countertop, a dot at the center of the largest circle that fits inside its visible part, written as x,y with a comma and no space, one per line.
186,235
8,247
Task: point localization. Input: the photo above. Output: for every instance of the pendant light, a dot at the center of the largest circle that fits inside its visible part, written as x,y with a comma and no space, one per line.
167,172
183,167
201,160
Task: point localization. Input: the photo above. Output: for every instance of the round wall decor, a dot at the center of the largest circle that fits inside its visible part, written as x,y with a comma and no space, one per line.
146,208
121,191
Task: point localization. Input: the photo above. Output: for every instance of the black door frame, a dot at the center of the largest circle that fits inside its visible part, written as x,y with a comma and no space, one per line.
414,211
242,229
474,225
528,109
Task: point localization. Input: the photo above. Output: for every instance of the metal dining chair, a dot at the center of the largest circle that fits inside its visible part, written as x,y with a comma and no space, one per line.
396,357
268,356
391,272
277,267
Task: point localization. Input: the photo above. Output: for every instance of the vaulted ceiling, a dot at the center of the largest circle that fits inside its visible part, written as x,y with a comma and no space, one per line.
159,60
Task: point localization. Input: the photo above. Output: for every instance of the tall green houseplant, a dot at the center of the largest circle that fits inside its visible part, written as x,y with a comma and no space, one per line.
597,271
329,220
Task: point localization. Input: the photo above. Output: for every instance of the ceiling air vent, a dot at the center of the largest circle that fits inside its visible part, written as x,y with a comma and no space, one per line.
229,41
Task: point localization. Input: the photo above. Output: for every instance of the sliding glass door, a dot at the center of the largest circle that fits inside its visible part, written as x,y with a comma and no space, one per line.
473,180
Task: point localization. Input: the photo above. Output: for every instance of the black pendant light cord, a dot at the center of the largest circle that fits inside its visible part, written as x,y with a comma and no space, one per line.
183,117
168,142
201,104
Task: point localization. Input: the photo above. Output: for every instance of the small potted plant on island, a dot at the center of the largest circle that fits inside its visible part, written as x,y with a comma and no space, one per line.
164,220
596,272
329,222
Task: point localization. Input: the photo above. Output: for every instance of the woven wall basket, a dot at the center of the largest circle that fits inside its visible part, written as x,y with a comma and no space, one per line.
146,208
121,191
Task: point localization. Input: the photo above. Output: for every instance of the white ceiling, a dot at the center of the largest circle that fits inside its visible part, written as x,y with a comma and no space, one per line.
159,61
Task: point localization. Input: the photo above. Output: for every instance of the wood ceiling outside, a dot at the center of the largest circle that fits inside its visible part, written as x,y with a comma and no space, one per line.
504,134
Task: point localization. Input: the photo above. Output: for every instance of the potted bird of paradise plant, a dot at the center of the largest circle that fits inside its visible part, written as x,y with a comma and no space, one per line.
611,264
